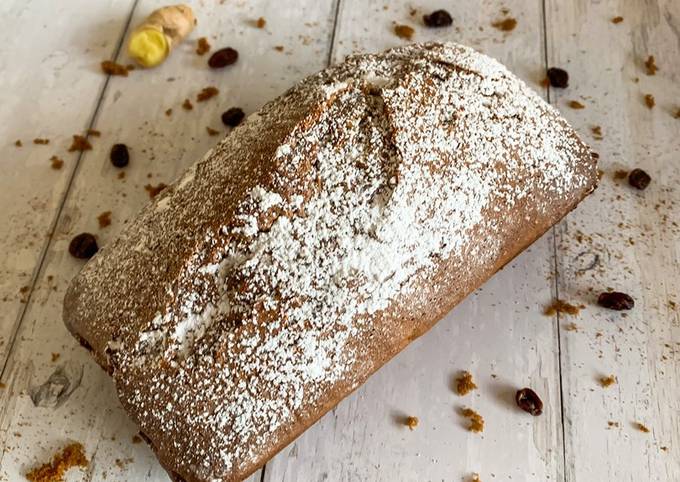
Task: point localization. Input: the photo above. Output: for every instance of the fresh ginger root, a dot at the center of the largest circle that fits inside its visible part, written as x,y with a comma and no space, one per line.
163,30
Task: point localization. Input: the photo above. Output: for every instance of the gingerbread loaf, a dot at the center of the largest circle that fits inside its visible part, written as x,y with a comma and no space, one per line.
312,244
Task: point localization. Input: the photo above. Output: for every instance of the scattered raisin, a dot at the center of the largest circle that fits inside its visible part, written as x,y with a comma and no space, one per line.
558,77
639,179
222,58
233,116
83,246
120,157
438,18
615,300
529,401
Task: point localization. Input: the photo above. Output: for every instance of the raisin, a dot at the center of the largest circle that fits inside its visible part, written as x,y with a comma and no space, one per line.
120,157
233,117
615,300
558,77
529,401
83,246
438,18
222,58
639,179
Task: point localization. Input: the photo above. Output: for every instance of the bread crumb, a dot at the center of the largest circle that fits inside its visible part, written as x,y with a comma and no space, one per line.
40,141
411,422
56,163
574,104
70,456
641,427
112,68
507,25
155,190
80,144
187,105
561,306
203,46
617,19
260,22
404,31
476,420
207,93
211,131
649,101
650,65
104,219
465,384
608,381
55,357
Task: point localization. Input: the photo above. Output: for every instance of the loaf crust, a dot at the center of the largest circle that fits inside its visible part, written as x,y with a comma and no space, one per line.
314,243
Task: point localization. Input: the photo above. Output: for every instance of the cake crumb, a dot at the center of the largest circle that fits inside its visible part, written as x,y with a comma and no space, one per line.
70,456
561,306
187,105
211,131
475,478
574,104
507,25
136,439
612,424
650,65
465,384
260,22
476,420
56,163
80,144
597,132
620,174
55,357
641,427
203,46
207,93
411,422
617,19
18,142
121,175
649,101
112,68
168,112
404,32
155,190
278,48
608,381
40,141
104,219
94,133
571,327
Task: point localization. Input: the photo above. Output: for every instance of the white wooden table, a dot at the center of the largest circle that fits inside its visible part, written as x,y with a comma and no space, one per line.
51,87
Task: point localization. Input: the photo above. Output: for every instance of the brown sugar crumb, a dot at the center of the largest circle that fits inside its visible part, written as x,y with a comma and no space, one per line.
104,219
168,112
404,31
187,105
608,381
574,104
136,439
203,46
649,101
571,327
476,420
612,424
260,22
40,141
411,422
211,131
620,174
507,25
561,306
80,144
207,93
56,163
278,48
154,190
94,133
465,384
641,427
112,68
618,19
70,456
597,132
650,65
55,357
18,143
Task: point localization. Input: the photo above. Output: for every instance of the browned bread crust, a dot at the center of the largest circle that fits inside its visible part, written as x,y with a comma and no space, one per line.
314,243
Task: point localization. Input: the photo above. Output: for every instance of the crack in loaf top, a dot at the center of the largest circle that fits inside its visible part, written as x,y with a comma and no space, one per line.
240,297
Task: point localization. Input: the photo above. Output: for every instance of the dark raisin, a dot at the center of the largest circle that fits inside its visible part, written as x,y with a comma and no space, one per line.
615,300
558,77
83,246
120,157
438,18
222,58
639,179
529,401
233,117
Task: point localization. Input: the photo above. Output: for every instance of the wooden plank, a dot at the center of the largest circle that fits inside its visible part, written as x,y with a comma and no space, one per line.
50,83
499,333
133,112
622,239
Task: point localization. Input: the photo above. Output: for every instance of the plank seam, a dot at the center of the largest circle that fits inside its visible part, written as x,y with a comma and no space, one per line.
67,190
